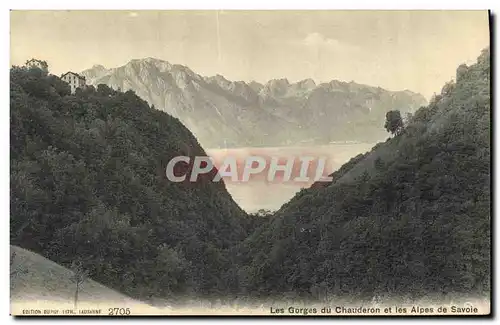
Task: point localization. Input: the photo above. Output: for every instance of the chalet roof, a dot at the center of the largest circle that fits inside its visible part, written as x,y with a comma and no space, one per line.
34,60
73,73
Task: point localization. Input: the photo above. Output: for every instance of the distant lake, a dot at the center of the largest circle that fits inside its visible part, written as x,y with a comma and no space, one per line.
260,194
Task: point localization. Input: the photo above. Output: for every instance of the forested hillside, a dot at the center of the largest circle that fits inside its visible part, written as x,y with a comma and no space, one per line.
88,184
409,218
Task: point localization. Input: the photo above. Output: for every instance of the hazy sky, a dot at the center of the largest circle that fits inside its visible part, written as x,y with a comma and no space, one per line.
416,50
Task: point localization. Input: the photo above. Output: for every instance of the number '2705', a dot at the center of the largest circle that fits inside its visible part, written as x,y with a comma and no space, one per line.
118,311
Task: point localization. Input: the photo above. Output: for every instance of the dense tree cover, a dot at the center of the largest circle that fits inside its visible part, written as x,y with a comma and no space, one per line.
393,122
410,218
88,183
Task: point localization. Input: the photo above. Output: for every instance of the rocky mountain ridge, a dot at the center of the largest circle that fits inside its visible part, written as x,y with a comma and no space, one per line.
221,112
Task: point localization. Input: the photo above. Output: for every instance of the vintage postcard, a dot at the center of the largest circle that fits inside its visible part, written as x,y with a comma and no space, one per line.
223,162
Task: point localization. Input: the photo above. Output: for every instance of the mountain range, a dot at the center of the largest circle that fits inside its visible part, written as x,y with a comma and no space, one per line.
408,220
223,113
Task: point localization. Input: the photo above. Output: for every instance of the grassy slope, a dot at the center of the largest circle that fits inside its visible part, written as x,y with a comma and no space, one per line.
39,282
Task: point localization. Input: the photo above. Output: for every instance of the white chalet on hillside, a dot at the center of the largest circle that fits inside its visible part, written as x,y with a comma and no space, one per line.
74,80
34,63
